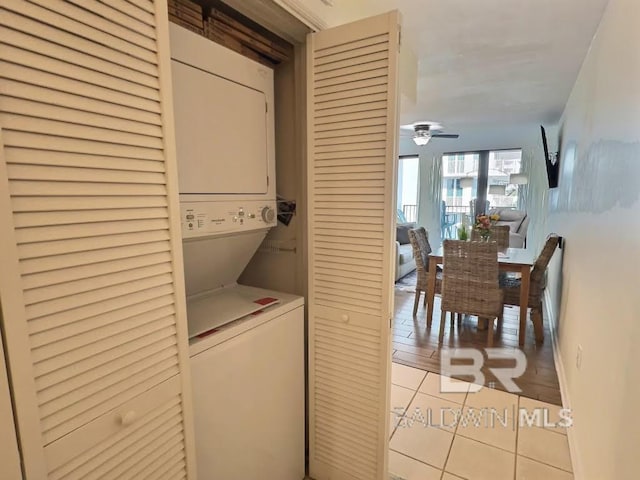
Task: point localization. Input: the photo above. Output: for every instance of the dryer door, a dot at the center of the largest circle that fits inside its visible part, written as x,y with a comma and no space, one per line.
221,133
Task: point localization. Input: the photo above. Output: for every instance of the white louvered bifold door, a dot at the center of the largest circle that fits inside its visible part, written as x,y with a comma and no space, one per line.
92,288
352,125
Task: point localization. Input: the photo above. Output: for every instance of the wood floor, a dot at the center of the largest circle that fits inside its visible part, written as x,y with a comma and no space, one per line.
415,346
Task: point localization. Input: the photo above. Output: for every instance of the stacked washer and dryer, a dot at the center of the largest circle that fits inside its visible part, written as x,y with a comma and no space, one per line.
246,344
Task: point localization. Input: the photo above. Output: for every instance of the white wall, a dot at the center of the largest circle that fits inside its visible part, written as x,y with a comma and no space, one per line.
526,137
594,285
279,263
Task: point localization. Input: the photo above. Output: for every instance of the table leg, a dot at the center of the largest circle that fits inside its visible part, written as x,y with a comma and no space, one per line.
524,303
431,289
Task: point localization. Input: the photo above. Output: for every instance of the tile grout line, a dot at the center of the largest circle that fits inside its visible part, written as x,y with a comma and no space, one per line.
404,415
516,424
536,460
455,432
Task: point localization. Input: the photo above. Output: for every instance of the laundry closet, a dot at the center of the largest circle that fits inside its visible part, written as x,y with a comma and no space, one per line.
196,241
246,344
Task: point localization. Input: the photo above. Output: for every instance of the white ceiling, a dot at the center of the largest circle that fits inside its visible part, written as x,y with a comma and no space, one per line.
496,62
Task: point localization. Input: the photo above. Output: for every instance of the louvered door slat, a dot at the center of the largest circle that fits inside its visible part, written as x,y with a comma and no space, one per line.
73,145
59,232
88,271
24,123
132,10
169,468
72,246
106,337
64,218
104,61
145,5
64,303
134,315
76,287
86,75
62,30
349,79
357,115
68,115
91,240
350,45
88,19
67,317
352,117
335,66
366,107
95,202
56,389
35,76
81,174
46,95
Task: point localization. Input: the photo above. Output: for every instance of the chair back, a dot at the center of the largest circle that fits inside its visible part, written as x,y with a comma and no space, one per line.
541,264
419,239
499,234
470,278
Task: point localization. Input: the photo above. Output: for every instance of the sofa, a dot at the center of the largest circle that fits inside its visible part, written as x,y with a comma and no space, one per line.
405,263
518,223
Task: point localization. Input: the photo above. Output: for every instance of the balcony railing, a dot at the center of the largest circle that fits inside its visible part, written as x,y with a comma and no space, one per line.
410,212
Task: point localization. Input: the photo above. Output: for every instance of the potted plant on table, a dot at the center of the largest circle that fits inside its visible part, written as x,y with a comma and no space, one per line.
484,223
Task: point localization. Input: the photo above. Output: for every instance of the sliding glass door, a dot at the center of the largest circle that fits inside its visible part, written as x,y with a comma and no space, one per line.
475,182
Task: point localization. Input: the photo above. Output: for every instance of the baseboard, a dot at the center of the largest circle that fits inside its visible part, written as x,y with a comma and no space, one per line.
576,461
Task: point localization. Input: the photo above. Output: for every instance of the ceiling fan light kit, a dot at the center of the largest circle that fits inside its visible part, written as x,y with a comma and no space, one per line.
423,132
421,140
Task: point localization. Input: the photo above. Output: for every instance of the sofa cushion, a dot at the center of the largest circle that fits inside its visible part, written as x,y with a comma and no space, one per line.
511,217
405,253
402,232
513,226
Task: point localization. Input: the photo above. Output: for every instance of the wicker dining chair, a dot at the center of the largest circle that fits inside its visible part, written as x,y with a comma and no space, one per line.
537,283
499,234
470,283
419,239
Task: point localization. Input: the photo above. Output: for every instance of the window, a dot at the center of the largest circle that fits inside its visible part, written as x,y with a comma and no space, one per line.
408,178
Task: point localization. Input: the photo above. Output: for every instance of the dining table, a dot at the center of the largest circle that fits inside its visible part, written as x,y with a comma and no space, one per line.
519,260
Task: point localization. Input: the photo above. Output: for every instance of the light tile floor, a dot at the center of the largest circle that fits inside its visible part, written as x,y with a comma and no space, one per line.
428,443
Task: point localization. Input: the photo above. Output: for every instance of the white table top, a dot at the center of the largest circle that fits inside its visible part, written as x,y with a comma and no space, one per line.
511,256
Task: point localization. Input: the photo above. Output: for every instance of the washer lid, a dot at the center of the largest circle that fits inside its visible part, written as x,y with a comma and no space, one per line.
213,310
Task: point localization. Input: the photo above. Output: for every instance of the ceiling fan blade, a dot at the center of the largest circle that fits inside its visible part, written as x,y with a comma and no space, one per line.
445,135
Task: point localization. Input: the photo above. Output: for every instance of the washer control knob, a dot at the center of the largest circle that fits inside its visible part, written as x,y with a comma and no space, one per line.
268,215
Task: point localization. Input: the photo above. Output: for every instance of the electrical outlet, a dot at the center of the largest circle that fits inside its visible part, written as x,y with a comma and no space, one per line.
579,357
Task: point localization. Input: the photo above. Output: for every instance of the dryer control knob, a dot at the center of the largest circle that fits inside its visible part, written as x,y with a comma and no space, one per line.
268,215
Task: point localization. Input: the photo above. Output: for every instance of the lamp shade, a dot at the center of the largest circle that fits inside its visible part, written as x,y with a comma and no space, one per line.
466,182
497,189
518,179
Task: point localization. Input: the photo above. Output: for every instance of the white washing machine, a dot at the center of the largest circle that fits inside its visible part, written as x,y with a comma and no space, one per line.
248,394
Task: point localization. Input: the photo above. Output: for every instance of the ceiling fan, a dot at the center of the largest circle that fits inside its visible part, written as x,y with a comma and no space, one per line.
425,131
